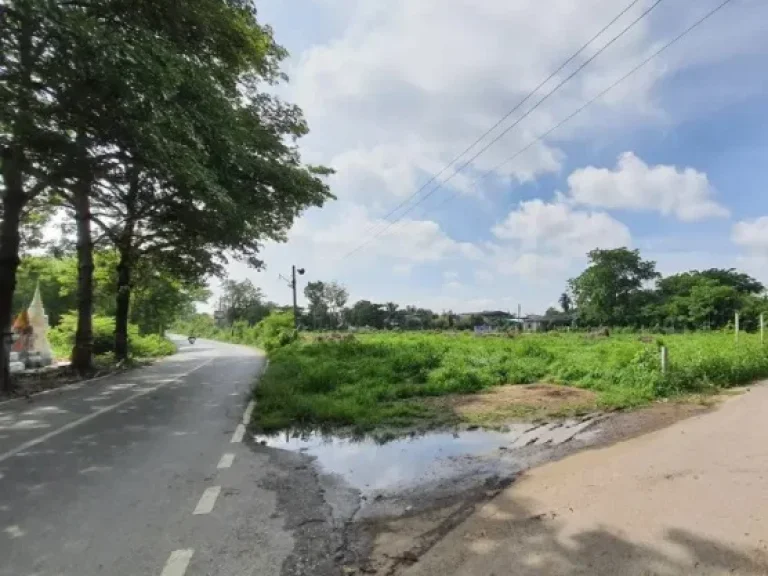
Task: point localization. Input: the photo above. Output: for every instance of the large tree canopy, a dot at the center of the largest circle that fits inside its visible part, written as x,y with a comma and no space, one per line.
151,122
615,290
608,291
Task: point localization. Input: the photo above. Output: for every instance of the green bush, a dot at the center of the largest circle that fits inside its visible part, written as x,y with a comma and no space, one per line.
62,339
274,331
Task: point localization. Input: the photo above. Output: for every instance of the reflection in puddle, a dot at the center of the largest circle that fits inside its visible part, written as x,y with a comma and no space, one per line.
406,462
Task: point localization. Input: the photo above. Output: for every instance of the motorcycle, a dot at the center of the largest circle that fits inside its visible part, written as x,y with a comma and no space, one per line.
191,339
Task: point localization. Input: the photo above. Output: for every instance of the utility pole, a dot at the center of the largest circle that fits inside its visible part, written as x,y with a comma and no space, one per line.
292,284
295,307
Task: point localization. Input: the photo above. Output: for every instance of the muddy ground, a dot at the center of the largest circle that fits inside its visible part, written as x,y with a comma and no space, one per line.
366,508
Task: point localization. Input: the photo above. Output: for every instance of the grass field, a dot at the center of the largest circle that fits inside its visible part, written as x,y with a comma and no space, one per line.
392,379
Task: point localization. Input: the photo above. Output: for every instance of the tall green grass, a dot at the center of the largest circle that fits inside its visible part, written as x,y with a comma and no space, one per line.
373,380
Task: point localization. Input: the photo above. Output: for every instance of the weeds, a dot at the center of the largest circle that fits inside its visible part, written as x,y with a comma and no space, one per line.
377,380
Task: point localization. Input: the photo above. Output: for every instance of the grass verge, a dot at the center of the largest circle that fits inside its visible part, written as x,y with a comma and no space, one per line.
392,380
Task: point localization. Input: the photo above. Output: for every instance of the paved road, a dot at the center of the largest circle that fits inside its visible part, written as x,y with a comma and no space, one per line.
142,473
689,499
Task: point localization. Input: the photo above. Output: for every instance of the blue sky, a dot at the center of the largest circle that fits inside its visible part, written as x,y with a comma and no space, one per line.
673,161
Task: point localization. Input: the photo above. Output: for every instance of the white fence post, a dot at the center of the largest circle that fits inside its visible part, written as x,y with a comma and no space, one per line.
762,329
736,333
664,359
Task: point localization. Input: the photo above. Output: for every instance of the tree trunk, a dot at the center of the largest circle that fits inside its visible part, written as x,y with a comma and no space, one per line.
123,303
13,164
125,270
82,353
13,203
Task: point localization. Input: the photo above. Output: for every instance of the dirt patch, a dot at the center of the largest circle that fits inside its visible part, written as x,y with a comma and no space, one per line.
625,425
530,401
397,542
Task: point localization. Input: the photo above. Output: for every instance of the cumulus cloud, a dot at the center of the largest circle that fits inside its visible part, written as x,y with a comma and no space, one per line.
634,185
409,85
557,227
409,241
752,235
539,239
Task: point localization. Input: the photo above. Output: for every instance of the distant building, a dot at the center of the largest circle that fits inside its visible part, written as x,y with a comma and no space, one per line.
535,323
488,317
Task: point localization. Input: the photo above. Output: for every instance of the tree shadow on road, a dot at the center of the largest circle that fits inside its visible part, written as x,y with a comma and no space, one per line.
506,538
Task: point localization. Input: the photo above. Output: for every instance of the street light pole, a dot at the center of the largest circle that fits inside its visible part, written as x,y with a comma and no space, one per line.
292,284
295,308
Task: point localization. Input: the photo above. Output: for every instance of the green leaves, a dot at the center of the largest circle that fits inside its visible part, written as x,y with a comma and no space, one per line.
607,291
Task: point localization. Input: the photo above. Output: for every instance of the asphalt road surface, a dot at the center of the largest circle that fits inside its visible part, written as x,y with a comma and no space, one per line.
142,473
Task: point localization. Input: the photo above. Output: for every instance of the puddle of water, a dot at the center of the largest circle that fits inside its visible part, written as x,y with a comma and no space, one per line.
412,461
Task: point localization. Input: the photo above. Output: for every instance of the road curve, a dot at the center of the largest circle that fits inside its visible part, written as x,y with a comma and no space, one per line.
141,473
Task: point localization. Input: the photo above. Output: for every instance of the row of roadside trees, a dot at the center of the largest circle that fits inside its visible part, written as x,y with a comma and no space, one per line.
150,129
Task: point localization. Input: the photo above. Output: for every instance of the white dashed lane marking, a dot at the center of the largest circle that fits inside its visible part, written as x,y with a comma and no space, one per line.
226,461
177,563
248,412
237,437
208,500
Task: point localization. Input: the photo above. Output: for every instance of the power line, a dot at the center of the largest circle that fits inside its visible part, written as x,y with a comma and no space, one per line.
570,117
507,115
510,127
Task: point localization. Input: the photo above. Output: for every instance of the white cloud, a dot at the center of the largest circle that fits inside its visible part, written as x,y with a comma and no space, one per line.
752,235
409,85
411,241
539,226
634,185
319,242
483,276
544,242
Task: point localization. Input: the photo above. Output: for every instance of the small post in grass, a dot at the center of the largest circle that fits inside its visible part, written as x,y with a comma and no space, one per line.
736,333
762,328
664,359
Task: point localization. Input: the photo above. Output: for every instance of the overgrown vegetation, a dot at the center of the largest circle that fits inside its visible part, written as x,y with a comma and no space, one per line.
375,380
272,332
62,338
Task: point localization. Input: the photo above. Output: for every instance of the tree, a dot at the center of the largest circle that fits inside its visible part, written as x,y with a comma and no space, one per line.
335,296
610,291
244,302
712,303
391,313
318,309
30,142
178,159
702,298
366,313
742,283
565,302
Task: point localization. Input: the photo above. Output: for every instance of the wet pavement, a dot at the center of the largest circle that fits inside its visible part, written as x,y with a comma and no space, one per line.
373,467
